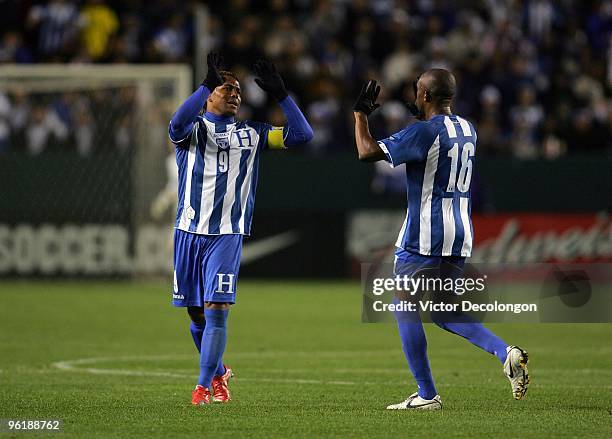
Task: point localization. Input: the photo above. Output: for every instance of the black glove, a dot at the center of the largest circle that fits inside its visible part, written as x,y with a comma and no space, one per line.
414,110
269,79
213,77
366,102
411,105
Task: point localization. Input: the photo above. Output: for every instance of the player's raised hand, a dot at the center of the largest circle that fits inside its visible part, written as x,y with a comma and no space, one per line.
366,102
412,105
213,77
269,80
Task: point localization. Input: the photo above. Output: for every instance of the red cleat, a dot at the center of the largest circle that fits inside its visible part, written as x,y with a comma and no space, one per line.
200,396
221,392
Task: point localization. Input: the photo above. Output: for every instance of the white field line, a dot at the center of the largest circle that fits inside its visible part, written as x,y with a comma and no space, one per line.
76,366
73,366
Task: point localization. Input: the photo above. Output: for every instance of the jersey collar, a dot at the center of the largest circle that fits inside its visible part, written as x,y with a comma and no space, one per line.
442,115
216,118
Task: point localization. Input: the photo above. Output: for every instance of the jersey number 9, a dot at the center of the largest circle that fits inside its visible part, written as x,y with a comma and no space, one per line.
223,161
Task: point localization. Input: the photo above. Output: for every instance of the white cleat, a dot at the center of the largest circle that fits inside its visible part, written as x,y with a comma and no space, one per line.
415,402
515,368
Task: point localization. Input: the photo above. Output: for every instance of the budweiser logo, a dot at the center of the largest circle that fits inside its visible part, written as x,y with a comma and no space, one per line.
585,243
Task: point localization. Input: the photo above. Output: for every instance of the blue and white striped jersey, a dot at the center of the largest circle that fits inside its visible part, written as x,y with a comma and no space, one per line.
439,157
218,163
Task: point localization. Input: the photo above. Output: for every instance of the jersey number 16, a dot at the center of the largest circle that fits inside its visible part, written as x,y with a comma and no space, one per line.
462,182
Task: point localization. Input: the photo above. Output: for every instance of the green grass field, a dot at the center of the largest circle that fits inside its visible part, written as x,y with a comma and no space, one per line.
116,360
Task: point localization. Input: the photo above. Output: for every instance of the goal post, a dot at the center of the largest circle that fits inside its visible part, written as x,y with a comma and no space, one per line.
88,181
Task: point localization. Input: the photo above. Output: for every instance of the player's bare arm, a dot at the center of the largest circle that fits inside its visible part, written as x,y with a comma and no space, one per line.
367,148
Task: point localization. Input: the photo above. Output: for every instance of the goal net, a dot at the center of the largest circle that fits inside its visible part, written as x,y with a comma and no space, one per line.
88,183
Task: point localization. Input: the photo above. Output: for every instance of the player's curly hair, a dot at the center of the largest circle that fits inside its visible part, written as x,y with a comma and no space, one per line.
225,73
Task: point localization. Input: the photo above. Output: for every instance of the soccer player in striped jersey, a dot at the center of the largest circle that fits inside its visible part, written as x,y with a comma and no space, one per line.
436,236
218,159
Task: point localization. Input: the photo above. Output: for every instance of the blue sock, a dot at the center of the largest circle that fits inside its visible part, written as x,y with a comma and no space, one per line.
197,329
414,344
220,369
476,333
213,344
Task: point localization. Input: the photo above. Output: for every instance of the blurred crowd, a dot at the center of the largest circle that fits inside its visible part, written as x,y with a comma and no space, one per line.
533,75
84,121
86,31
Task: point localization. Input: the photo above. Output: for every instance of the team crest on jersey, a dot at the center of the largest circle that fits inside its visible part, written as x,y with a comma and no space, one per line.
222,140
222,143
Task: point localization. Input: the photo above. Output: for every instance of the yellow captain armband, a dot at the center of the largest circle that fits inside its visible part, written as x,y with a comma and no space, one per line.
275,138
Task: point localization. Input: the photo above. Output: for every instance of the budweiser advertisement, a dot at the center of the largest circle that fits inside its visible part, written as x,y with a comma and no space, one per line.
529,237
498,238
